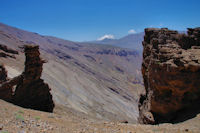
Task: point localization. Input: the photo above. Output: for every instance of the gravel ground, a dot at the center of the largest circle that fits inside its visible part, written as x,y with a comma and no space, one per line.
14,119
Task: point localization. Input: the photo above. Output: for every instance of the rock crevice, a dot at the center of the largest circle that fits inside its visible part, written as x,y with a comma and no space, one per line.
171,73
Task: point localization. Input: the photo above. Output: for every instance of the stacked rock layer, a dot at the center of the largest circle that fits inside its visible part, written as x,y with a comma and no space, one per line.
171,73
28,89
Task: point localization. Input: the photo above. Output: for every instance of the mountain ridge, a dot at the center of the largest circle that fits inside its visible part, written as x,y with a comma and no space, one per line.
131,41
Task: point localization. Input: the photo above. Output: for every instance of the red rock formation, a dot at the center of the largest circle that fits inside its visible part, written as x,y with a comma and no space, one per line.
3,74
30,90
171,72
5,93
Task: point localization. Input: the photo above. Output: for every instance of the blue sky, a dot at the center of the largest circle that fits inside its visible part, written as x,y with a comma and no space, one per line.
84,20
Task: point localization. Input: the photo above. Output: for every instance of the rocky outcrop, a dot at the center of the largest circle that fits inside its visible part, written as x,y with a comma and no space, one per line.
7,52
28,89
171,73
4,92
118,52
5,89
3,74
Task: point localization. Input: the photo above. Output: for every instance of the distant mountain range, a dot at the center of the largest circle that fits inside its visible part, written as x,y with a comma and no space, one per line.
131,41
102,81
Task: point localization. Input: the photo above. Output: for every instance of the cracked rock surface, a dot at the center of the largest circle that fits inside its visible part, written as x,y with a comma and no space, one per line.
171,72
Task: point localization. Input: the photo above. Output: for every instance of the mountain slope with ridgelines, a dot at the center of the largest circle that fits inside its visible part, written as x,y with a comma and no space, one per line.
95,87
100,81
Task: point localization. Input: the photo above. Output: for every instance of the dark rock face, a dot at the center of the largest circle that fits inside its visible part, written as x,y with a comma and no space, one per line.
3,74
7,52
171,72
5,93
29,90
122,53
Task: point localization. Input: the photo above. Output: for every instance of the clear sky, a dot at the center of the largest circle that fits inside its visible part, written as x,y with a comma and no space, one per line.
84,20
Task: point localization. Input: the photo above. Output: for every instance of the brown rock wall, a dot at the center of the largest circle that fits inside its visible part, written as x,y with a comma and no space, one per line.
171,72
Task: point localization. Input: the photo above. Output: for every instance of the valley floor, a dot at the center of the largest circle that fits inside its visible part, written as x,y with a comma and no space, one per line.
14,119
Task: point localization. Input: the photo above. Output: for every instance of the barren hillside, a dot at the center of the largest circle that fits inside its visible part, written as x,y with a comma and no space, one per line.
100,81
